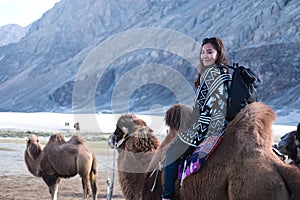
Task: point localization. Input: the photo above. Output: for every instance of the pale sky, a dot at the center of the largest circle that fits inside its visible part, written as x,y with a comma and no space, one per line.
23,12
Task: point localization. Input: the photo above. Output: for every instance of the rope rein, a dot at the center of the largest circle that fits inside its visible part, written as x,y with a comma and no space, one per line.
110,182
157,169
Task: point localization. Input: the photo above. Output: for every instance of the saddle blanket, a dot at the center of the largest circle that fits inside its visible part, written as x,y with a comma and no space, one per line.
194,163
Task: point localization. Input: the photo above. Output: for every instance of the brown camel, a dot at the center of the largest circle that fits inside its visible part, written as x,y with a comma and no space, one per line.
137,144
242,167
61,159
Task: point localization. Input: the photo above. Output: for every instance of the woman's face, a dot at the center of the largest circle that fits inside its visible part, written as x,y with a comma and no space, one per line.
208,54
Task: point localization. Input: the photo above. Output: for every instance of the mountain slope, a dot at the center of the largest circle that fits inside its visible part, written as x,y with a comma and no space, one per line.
40,72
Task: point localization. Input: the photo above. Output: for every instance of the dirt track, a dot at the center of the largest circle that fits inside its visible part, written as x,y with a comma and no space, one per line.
31,188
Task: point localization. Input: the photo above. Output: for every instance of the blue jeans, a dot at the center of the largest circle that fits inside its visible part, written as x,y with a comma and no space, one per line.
174,153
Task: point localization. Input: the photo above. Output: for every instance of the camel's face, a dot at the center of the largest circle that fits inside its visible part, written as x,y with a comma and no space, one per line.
126,125
289,143
34,148
32,139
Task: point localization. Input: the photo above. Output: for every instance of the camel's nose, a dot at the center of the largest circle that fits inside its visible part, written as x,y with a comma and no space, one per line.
111,141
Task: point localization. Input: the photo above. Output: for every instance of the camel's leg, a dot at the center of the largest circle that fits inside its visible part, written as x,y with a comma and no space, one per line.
94,184
84,166
53,189
85,179
52,181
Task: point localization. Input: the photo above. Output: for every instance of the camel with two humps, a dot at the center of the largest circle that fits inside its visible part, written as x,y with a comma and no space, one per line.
62,159
243,166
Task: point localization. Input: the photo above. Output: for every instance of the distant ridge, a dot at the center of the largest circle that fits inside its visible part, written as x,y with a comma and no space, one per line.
39,73
11,33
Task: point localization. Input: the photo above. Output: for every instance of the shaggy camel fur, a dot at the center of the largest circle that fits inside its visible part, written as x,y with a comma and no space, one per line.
136,146
242,167
61,159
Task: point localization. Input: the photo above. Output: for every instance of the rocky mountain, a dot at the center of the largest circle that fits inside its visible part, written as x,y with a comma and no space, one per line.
142,55
11,33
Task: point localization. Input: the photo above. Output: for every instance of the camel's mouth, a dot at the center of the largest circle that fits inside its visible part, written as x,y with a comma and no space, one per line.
112,141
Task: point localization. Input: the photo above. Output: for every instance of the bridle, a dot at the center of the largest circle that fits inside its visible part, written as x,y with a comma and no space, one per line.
123,139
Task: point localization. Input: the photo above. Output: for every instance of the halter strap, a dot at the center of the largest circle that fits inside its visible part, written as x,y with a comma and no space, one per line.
125,137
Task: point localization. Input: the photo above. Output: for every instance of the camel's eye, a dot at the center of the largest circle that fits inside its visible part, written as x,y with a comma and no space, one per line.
118,133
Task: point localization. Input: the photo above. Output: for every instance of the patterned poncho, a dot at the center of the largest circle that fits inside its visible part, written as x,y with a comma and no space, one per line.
208,120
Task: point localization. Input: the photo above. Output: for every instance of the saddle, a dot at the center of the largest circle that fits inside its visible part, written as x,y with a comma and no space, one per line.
193,163
188,164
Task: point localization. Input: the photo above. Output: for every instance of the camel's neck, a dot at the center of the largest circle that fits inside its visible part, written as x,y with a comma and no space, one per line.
31,157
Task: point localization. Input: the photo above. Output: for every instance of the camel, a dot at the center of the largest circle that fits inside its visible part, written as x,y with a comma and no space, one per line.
77,127
61,159
243,166
136,144
289,145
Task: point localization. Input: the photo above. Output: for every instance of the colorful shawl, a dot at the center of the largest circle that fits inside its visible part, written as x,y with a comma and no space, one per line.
208,120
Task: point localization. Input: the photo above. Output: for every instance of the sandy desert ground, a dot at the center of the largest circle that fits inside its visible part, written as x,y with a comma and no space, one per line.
17,183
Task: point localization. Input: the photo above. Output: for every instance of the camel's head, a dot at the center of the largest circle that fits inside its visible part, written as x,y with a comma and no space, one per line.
289,144
34,148
32,139
126,125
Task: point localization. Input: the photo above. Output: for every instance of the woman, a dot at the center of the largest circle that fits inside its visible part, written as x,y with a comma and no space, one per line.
208,120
